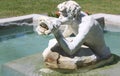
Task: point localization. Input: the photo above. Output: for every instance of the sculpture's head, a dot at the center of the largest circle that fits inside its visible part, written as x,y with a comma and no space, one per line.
40,25
69,9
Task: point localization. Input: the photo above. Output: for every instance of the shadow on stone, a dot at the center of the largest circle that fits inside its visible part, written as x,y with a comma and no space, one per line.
115,60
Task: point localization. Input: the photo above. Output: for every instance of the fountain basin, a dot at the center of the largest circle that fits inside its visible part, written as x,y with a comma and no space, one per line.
29,66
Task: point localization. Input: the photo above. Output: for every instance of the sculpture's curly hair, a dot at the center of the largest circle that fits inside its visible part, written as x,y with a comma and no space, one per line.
69,8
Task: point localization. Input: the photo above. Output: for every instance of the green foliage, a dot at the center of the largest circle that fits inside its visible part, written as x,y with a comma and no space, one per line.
10,8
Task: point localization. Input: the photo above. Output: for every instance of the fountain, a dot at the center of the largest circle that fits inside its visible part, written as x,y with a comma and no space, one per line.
32,65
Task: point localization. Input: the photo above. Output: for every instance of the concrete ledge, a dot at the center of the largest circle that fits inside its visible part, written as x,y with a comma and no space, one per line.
20,20
112,22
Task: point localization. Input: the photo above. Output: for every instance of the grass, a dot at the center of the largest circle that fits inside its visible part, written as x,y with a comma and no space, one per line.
10,8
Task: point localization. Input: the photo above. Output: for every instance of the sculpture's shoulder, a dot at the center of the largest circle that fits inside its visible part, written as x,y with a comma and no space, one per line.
87,19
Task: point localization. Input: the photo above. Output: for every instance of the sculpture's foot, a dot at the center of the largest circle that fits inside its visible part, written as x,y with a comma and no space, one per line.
85,61
94,65
55,61
93,61
105,61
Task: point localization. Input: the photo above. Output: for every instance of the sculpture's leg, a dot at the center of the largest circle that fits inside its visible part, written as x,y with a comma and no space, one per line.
76,62
51,60
55,57
86,61
55,60
83,58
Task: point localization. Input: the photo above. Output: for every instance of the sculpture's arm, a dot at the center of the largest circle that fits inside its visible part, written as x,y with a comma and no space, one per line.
73,46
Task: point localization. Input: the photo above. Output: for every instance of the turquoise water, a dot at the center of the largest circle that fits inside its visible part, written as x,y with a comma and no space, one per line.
19,42
113,41
22,46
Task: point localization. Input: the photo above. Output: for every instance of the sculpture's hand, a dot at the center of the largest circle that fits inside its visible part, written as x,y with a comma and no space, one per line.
53,25
45,25
42,30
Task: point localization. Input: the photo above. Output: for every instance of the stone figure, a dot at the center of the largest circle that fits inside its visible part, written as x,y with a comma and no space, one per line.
85,48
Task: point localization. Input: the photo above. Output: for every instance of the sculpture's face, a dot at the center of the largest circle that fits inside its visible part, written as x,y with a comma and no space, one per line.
41,26
69,9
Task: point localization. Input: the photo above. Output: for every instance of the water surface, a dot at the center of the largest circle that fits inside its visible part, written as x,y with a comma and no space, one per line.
19,42
113,41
